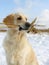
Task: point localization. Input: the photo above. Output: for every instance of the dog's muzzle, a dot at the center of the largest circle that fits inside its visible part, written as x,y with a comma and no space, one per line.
25,26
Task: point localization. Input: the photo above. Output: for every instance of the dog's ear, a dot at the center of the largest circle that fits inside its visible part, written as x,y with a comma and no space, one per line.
9,20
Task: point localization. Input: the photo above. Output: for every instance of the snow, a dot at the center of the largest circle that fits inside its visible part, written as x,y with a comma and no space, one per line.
40,43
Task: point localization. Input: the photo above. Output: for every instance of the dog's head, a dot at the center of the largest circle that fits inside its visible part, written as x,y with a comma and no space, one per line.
16,20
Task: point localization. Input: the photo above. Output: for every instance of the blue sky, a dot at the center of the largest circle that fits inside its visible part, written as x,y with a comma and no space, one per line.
32,8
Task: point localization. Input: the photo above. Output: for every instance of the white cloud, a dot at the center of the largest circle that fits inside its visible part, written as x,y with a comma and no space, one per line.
45,15
29,4
17,2
44,18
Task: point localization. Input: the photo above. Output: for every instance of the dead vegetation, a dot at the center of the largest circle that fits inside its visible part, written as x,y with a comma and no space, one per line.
32,28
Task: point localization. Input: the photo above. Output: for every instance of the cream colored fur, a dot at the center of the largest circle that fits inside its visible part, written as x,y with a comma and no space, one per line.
17,48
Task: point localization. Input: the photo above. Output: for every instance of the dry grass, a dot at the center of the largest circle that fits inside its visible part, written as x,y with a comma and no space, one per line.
31,28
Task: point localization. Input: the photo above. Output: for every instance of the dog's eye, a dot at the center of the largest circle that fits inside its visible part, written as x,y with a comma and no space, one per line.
19,18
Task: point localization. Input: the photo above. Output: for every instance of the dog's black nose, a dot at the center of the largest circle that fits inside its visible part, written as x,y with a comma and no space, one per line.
27,24
20,28
25,27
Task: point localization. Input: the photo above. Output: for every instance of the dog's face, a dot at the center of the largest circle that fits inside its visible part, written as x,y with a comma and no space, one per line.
16,20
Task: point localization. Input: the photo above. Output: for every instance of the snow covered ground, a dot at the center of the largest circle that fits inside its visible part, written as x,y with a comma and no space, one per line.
40,43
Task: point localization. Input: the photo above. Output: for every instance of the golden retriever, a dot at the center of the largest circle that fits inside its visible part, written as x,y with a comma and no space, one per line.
17,48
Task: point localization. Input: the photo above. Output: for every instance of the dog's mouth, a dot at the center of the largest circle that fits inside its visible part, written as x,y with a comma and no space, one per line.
24,27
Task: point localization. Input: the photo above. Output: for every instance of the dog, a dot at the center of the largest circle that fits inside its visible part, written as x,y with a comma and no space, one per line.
17,48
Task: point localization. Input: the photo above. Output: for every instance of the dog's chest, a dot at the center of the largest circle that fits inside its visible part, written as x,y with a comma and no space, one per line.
16,52
19,56
10,43
14,39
